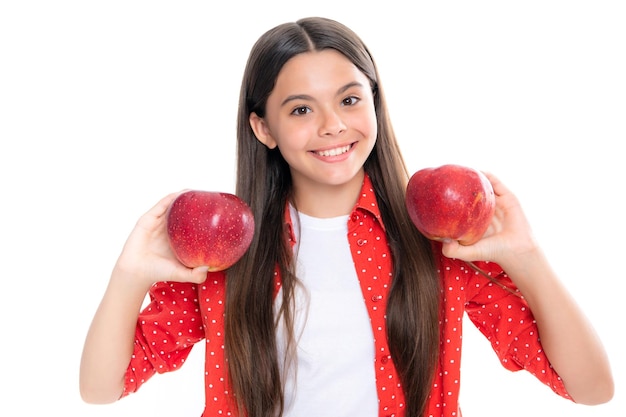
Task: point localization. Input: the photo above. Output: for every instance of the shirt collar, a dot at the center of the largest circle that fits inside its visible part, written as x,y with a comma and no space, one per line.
366,201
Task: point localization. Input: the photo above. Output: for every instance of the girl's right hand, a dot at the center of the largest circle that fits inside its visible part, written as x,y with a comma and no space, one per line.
147,256
145,259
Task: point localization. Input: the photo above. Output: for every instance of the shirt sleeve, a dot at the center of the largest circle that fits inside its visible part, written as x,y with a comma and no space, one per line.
167,329
497,309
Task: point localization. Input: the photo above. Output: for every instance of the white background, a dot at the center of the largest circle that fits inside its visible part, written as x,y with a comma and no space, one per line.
105,107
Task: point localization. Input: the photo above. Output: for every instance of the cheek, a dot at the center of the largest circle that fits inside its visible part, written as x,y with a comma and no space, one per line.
295,133
370,124
374,125
291,140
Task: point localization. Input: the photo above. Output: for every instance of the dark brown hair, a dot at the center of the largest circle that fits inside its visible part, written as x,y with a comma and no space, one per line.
264,182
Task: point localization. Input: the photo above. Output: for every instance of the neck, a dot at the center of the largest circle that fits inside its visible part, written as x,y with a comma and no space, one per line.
325,200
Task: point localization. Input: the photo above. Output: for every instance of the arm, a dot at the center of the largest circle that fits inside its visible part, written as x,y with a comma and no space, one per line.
145,259
566,334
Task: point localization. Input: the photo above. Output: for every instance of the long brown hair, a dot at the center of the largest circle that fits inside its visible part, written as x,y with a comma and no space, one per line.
264,182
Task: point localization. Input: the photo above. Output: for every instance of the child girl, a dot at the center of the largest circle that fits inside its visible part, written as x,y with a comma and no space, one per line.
340,306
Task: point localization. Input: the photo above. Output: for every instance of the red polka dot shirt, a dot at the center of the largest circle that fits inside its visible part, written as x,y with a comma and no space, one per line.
183,314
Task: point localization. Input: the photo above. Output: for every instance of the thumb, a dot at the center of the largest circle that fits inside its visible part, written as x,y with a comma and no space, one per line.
450,248
199,274
453,249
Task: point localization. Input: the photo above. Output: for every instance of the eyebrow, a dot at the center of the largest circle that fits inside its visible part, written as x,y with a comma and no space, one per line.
307,97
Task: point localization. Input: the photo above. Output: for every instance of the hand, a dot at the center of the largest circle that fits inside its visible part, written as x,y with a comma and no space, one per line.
509,235
147,256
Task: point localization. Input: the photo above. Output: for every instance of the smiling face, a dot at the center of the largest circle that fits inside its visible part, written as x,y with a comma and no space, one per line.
321,117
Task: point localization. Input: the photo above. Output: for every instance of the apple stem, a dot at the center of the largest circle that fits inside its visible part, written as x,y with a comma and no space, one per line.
495,280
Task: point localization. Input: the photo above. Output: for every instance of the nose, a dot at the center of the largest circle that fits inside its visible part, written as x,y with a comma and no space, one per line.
331,123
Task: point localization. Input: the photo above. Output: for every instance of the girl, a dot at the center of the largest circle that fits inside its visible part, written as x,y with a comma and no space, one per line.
340,306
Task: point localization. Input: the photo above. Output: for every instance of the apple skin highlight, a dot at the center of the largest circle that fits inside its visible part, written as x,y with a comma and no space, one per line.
450,202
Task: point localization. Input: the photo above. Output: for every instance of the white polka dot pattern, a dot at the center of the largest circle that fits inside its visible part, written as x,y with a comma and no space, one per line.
181,314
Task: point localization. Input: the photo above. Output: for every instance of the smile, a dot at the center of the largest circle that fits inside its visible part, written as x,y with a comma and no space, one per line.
335,151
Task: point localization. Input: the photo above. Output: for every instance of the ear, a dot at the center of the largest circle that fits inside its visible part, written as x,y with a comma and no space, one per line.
261,131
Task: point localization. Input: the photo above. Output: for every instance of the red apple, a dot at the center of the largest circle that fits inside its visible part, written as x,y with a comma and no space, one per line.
451,202
208,228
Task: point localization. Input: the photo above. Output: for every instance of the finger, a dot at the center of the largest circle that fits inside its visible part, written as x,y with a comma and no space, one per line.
450,248
199,274
161,207
196,275
155,217
499,188
455,250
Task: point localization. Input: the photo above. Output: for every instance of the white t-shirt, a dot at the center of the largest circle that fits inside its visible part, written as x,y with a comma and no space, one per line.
335,353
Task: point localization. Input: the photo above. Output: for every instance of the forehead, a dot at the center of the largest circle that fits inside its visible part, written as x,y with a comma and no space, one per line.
318,69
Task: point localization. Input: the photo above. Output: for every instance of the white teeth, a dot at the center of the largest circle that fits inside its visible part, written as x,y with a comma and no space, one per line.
334,152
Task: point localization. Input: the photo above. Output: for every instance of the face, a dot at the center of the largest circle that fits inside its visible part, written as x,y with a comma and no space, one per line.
321,117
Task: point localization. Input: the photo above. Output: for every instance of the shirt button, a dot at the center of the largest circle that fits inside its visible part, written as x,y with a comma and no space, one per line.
377,298
361,242
355,217
384,359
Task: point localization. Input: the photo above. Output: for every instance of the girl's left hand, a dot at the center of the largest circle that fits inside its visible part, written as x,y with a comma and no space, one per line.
509,235
566,334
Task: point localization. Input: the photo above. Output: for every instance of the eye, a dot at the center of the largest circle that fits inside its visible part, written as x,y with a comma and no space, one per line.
350,101
300,110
